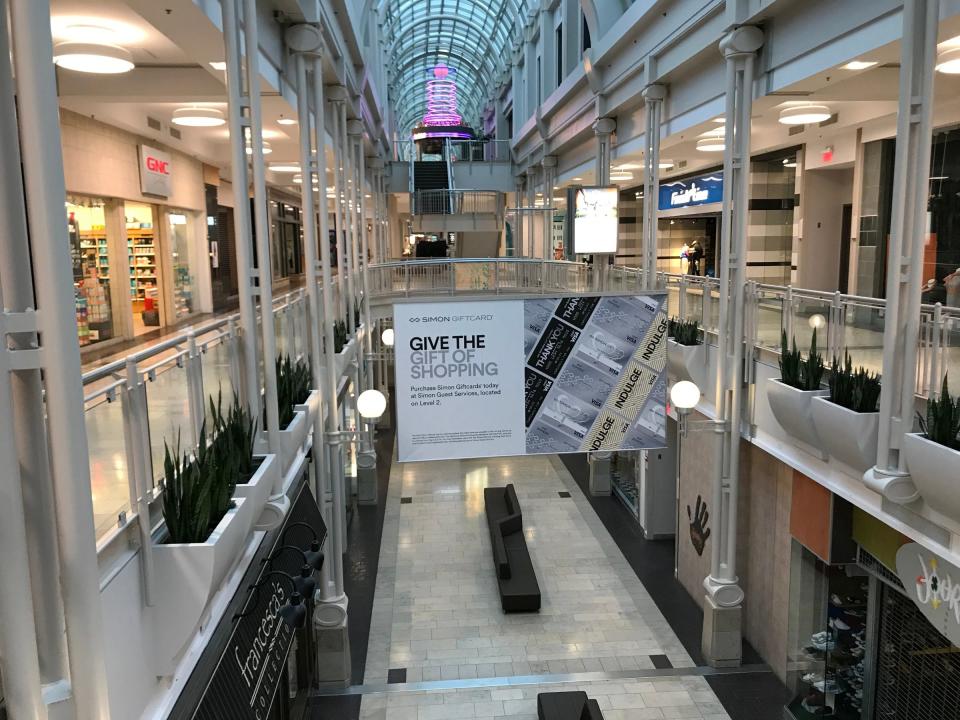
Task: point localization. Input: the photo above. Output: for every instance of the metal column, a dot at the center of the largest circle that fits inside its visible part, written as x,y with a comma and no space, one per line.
603,128
241,210
721,638
336,94
261,224
908,233
78,576
549,177
518,235
653,96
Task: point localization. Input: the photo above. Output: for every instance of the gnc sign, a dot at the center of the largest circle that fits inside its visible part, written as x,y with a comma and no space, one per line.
155,169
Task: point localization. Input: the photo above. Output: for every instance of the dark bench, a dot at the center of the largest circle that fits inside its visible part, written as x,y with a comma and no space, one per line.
519,590
567,706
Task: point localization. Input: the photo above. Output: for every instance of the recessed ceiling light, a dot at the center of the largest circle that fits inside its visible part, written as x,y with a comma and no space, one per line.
576,179
789,162
285,167
629,166
720,119
266,148
620,176
198,117
218,65
948,61
858,65
99,58
665,164
711,144
282,120
716,132
805,114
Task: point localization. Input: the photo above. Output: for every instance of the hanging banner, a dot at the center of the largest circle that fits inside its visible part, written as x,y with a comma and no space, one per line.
590,376
934,585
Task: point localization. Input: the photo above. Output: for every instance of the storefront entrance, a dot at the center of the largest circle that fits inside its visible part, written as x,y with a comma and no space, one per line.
689,244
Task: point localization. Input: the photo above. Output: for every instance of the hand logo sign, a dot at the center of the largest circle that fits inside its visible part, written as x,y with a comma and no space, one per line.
699,532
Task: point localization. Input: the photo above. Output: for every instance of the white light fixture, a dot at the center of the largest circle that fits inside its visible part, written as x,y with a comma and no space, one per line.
620,176
387,337
266,148
720,119
99,58
665,164
948,61
629,166
711,144
198,117
285,167
858,65
715,132
218,65
804,114
684,395
817,321
790,162
371,404
283,120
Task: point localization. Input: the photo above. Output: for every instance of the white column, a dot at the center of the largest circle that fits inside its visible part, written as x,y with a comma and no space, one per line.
531,202
261,215
549,177
653,96
724,597
908,233
337,94
603,128
77,576
518,226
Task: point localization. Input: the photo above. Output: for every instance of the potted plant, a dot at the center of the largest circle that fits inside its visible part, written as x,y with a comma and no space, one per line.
257,475
933,454
791,396
205,529
686,352
293,388
847,419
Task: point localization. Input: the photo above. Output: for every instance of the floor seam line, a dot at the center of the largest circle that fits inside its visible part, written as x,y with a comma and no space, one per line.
545,679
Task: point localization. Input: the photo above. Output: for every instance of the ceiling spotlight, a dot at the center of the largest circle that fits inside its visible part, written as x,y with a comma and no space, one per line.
218,65
858,65
282,120
806,114
711,144
198,117
99,58
266,148
285,167
948,61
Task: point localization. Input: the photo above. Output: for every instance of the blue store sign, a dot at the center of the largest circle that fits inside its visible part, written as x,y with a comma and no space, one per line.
699,190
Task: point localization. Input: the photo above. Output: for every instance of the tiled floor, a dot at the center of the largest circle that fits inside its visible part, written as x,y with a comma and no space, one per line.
437,612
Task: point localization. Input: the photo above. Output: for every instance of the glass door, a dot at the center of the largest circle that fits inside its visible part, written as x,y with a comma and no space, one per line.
86,227
183,277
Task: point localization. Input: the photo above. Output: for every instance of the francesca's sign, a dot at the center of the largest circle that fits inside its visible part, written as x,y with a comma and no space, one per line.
934,585
691,192
155,172
590,376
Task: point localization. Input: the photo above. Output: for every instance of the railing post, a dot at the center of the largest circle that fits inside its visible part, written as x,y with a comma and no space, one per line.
682,299
136,426
406,272
194,370
786,312
936,346
496,276
836,327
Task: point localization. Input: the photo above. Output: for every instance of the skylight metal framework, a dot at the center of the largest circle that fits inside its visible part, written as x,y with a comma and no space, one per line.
473,37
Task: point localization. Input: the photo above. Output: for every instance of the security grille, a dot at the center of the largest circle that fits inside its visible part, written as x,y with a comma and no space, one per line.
918,670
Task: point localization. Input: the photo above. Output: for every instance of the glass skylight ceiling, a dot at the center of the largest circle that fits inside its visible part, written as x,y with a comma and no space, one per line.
472,37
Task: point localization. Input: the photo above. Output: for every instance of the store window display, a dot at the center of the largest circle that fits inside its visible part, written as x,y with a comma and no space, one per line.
86,228
828,638
183,280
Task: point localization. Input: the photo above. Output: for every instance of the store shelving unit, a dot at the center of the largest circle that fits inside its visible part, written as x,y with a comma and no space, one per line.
143,264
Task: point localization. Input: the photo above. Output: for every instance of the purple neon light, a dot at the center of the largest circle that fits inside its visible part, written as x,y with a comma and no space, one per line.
441,99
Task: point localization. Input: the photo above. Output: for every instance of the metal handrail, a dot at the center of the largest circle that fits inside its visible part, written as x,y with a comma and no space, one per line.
455,202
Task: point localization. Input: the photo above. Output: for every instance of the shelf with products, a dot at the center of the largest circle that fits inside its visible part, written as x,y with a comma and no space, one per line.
827,665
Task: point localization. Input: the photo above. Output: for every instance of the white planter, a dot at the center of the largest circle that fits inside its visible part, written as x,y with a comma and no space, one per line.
935,470
848,437
292,440
687,362
260,487
311,407
792,409
185,576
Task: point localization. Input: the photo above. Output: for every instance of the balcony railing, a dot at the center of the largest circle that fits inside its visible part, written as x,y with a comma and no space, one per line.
456,202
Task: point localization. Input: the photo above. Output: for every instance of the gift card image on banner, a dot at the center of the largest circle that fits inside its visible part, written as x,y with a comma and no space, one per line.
591,376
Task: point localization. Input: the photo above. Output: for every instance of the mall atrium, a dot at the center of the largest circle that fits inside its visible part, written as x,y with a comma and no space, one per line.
454,359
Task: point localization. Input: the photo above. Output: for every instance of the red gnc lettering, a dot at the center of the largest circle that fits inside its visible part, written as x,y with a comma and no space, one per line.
157,166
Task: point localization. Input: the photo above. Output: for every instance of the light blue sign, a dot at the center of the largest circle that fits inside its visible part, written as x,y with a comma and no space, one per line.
699,190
